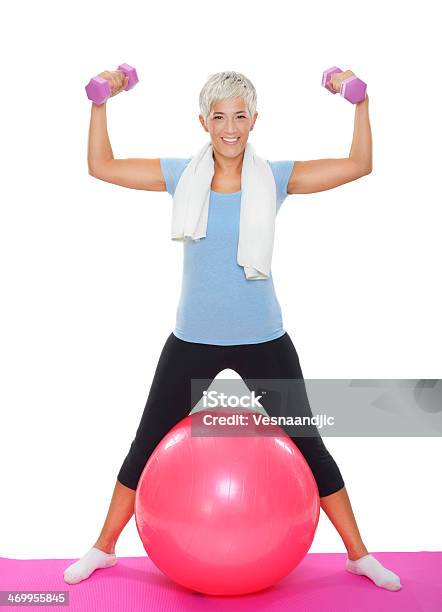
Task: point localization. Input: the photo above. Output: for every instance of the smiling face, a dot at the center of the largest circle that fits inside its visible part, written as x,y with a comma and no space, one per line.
229,125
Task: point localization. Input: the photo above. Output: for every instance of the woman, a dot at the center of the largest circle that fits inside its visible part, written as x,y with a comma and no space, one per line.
225,320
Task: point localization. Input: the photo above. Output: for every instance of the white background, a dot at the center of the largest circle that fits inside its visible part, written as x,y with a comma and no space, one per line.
90,279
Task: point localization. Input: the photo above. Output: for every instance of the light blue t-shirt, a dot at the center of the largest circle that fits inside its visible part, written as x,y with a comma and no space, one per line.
218,305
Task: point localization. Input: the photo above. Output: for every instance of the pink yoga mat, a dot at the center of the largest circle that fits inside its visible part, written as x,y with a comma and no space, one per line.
320,583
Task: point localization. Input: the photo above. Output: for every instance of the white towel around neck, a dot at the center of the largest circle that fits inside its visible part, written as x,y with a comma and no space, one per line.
257,214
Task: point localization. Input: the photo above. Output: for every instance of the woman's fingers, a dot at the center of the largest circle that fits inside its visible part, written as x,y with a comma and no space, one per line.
117,80
336,79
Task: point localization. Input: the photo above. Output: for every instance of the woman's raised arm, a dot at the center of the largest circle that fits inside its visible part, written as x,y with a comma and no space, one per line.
322,174
135,173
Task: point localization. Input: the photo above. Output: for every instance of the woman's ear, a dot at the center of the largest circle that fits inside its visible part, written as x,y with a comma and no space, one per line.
203,123
254,121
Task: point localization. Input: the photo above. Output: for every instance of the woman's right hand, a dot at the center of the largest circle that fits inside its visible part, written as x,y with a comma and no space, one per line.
117,80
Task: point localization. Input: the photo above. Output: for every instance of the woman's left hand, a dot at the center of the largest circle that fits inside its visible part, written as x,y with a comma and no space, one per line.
336,79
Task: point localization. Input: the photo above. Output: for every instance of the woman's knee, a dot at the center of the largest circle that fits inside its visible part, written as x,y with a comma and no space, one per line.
135,461
322,465
127,481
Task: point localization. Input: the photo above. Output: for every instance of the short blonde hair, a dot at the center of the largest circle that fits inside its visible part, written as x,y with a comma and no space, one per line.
225,85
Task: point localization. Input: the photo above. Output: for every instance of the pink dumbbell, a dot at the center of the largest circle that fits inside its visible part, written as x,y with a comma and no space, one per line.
98,89
352,89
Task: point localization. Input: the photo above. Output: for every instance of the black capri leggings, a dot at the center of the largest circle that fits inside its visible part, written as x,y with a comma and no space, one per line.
169,399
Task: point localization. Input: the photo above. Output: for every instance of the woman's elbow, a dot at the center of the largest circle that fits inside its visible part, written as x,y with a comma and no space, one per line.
359,168
366,171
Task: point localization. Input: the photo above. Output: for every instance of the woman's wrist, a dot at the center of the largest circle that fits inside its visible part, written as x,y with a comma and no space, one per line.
363,102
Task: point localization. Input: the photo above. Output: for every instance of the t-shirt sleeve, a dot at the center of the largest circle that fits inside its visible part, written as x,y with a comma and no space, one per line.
172,168
282,171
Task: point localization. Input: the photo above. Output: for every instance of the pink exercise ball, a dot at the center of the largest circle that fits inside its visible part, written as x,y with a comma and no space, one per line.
226,515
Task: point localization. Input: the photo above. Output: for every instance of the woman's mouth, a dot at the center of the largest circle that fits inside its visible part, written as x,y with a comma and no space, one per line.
230,141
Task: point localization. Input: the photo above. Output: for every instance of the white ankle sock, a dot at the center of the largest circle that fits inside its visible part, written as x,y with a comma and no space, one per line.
83,568
370,567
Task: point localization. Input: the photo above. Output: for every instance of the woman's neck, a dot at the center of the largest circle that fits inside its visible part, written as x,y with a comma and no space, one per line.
228,166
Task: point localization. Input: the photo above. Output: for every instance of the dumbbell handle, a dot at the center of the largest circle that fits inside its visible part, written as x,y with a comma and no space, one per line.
352,88
98,89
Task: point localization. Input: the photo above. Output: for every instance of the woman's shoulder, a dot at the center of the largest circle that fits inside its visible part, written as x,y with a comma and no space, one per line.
282,171
172,168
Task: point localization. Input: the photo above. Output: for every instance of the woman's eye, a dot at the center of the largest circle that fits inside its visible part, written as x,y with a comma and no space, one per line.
239,117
